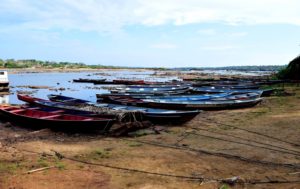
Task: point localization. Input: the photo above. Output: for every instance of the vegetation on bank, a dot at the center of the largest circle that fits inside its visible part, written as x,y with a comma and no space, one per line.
32,63
292,71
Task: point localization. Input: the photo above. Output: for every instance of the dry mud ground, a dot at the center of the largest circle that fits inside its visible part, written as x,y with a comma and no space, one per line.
202,148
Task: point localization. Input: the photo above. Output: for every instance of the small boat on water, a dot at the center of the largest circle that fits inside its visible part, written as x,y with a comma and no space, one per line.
236,86
235,82
203,105
151,114
94,81
219,96
190,97
133,95
82,80
129,82
118,82
214,90
159,86
227,102
57,120
142,82
153,90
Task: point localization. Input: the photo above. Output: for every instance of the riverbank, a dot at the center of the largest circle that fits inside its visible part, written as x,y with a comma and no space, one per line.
64,70
185,75
215,146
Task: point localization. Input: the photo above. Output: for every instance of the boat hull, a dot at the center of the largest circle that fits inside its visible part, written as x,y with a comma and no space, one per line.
153,115
55,124
207,105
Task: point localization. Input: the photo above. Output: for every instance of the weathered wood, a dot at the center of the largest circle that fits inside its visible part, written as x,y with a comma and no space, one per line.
39,169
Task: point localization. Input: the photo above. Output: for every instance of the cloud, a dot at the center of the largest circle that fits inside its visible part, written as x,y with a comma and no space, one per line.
113,16
177,12
164,46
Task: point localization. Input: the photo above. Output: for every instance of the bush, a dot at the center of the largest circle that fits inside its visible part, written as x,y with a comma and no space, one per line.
292,71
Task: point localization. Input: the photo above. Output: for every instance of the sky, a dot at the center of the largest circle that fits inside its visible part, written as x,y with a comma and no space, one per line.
152,33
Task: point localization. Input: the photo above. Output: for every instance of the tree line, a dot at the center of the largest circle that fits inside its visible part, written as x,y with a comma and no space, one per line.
32,63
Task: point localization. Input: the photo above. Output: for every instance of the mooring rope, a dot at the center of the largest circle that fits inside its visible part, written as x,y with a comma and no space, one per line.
233,136
218,154
250,131
234,180
247,144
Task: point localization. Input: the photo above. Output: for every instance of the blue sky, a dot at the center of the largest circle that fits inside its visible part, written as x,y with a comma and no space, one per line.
156,33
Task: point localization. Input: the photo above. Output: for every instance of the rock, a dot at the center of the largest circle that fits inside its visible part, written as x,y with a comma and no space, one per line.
17,135
142,132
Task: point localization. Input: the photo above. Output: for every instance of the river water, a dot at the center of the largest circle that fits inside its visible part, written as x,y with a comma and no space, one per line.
61,83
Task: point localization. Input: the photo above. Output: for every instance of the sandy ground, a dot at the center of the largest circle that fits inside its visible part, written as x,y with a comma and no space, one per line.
195,149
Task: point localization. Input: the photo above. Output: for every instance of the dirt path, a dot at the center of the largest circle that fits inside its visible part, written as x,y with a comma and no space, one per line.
214,145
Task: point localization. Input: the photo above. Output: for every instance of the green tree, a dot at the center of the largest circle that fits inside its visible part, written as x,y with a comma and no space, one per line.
292,71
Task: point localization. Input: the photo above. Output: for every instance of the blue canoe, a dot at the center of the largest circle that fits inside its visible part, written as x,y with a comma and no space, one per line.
228,102
215,90
153,90
103,97
152,114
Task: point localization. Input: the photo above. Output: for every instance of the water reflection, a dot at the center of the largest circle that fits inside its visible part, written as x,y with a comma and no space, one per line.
61,83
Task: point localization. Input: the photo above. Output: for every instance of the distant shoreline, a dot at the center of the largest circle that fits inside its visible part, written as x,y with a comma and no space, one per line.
68,70
57,70
195,74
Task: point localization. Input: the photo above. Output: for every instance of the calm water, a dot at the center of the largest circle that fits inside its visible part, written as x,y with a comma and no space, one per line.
79,90
64,80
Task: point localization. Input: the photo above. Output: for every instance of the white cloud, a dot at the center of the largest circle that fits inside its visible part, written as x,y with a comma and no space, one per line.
178,12
111,16
164,46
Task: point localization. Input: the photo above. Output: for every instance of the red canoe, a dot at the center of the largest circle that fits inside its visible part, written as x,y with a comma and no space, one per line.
31,117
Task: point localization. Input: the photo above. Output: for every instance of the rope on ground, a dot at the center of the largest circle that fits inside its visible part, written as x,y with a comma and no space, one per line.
250,131
247,144
253,141
61,156
184,135
231,181
219,154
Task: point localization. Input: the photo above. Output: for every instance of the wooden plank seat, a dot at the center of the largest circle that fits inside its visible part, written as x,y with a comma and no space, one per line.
35,108
50,116
17,111
7,108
